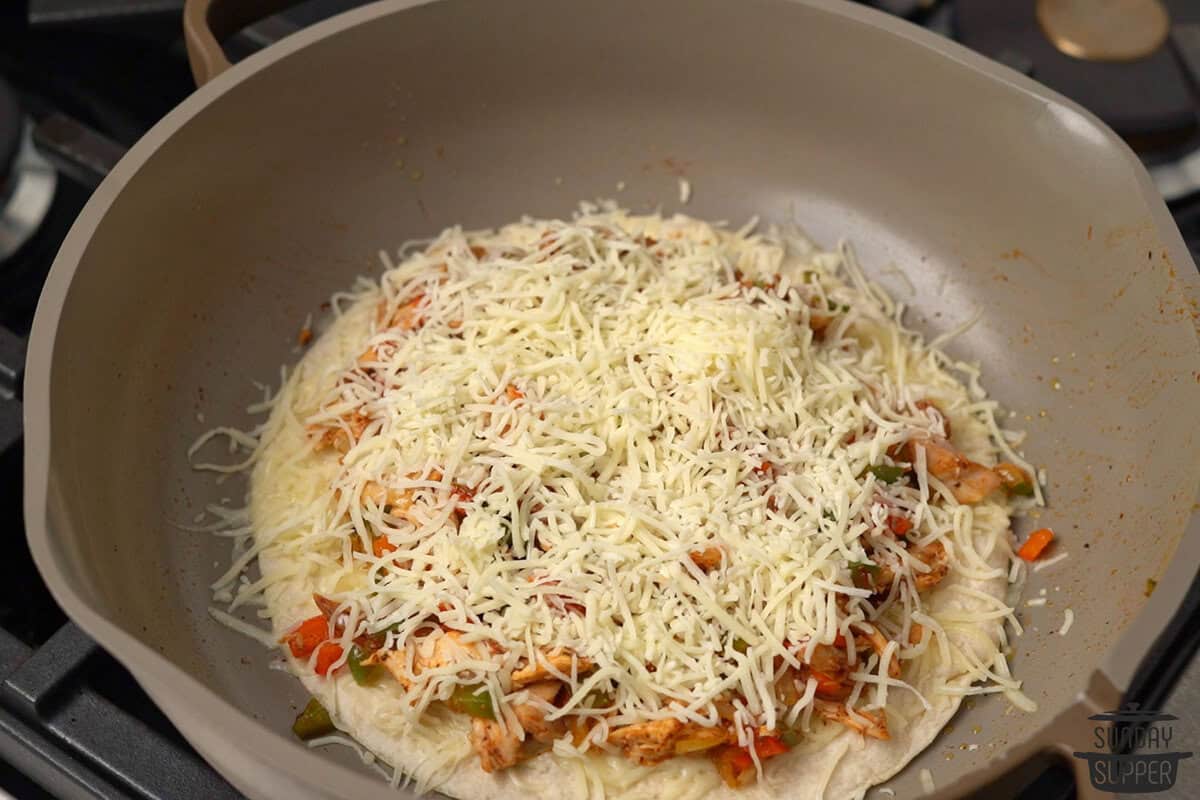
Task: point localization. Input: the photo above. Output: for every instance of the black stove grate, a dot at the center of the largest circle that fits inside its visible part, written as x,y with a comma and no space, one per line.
60,723
73,722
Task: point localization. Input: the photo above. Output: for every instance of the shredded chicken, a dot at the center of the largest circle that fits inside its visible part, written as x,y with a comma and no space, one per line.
708,559
392,501
532,715
340,437
497,748
431,654
874,640
655,741
932,555
831,669
559,661
968,481
865,722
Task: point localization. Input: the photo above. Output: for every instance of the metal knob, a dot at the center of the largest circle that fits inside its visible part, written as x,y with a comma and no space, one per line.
1104,30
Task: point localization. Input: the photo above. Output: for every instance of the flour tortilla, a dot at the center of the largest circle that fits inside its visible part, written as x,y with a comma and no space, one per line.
436,753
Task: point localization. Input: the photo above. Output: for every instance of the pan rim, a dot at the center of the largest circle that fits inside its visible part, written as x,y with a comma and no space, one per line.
273,749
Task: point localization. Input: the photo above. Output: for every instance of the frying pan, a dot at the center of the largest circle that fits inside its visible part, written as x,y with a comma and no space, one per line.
191,270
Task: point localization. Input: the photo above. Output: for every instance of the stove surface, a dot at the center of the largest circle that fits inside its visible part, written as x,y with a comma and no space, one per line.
92,76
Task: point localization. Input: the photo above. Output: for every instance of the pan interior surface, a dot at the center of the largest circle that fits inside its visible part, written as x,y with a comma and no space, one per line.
284,188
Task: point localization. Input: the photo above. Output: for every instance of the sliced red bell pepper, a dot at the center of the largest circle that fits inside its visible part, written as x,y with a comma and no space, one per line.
381,546
326,656
827,686
305,637
733,763
769,746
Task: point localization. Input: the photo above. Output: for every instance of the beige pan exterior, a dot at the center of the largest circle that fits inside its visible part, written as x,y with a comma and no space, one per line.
194,264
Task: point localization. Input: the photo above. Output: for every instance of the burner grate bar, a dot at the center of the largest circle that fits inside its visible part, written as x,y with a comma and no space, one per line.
26,746
50,668
45,761
13,652
84,154
124,746
55,707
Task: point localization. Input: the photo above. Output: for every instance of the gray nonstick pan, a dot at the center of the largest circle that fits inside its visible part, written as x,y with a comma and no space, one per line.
196,262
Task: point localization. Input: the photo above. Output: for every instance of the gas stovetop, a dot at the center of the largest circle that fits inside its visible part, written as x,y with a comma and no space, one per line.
89,77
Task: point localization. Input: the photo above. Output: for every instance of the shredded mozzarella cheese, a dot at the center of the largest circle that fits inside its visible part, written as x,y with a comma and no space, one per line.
1050,562
927,784
549,422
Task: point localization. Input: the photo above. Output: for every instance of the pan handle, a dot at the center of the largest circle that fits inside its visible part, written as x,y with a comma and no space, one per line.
207,22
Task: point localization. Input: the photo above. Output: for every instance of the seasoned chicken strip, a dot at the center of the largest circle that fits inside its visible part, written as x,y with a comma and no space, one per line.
871,724
497,748
393,501
932,555
338,437
876,641
559,660
500,748
533,716
650,742
647,743
968,481
430,654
